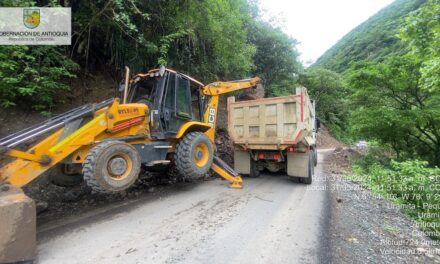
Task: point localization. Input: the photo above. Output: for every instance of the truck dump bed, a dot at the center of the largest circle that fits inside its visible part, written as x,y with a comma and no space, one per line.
272,123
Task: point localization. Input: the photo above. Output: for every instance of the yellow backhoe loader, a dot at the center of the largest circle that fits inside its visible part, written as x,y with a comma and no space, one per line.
166,118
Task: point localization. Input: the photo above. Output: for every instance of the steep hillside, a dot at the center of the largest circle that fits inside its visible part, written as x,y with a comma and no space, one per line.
373,39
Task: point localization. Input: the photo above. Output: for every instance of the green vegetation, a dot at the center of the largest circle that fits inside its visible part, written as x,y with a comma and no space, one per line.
330,91
208,39
389,94
380,82
374,39
393,108
276,59
410,184
422,35
388,91
36,73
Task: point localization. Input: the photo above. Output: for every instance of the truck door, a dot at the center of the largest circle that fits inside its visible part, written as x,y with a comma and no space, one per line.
177,103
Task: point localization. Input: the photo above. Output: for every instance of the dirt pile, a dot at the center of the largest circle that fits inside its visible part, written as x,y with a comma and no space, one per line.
325,140
225,146
224,143
55,202
252,94
341,160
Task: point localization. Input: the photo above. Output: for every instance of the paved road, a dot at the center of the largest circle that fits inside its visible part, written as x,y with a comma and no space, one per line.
271,220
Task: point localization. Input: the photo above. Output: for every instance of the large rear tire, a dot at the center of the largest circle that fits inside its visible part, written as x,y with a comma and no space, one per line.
254,171
111,166
194,155
315,156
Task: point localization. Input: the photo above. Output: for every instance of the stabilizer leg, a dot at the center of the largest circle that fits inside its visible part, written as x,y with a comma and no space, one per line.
227,173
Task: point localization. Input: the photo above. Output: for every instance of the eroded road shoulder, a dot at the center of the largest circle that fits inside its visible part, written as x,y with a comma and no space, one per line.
367,228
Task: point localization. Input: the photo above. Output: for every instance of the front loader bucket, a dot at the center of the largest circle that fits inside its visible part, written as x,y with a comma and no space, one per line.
17,226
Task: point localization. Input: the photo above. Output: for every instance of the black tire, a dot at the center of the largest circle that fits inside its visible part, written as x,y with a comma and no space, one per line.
254,172
97,168
294,179
194,155
59,177
315,157
308,179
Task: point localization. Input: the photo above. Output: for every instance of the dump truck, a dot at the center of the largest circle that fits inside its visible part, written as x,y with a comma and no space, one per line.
165,119
276,134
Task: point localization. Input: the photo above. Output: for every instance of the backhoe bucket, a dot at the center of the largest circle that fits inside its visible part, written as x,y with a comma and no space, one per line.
17,226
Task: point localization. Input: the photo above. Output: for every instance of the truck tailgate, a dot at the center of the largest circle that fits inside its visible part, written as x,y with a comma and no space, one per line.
272,123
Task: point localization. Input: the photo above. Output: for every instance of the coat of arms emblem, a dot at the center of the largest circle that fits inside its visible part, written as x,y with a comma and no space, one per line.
31,18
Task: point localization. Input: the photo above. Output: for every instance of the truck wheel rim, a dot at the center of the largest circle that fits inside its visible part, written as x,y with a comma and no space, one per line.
201,155
119,167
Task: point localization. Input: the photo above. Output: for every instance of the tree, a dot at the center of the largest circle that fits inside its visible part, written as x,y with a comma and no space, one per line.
329,91
392,107
33,75
422,34
276,60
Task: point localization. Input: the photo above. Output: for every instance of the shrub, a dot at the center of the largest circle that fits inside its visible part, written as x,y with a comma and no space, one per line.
33,74
409,182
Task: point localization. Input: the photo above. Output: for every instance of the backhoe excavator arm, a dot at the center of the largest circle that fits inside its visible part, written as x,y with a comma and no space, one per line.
214,90
217,88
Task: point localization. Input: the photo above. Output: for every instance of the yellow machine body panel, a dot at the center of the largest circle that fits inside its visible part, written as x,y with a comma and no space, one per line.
51,150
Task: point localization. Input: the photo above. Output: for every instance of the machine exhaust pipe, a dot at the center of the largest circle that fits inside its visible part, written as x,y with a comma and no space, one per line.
127,75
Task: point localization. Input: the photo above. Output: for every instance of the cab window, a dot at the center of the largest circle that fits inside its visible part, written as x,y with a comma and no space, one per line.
170,96
195,102
183,105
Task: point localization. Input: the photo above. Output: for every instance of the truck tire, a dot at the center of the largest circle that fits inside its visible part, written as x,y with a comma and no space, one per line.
308,179
111,166
58,176
194,155
254,171
315,157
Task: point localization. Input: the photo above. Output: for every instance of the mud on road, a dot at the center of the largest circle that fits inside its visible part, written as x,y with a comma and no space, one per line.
271,220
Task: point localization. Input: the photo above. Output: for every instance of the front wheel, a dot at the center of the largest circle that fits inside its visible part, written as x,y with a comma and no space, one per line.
111,166
194,155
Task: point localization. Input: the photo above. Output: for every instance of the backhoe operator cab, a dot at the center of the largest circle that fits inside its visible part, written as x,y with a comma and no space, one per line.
172,98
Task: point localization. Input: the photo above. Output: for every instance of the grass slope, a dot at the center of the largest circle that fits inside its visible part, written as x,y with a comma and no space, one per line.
374,39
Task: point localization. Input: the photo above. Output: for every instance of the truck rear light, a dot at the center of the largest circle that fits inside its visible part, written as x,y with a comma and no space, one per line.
261,156
291,149
276,157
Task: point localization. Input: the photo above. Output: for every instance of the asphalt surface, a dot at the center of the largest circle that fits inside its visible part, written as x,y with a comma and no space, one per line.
271,220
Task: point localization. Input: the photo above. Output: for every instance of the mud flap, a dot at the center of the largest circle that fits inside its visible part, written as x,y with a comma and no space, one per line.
297,164
242,162
17,226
